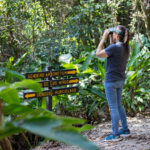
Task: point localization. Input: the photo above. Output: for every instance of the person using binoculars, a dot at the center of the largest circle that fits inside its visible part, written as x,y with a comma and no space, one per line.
117,54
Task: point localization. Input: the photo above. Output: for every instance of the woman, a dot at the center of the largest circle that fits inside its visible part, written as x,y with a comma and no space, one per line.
117,55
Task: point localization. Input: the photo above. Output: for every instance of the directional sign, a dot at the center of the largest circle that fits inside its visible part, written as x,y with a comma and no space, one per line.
59,82
46,74
30,95
52,92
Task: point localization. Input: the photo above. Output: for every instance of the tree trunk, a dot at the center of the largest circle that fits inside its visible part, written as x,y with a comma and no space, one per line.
145,6
4,143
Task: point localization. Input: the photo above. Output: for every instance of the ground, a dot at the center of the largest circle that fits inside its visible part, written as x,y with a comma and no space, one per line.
138,140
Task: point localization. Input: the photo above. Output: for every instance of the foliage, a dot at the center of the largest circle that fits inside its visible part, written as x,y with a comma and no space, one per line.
20,118
65,34
91,94
136,92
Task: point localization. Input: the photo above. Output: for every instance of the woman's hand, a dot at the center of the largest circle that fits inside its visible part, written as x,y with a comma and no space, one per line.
106,34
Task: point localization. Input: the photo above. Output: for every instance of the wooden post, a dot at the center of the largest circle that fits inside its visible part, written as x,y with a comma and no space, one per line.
49,98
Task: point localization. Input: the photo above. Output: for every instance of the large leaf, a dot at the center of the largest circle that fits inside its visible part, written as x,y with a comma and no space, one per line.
77,61
44,123
72,137
16,109
91,71
85,128
101,70
95,103
71,66
98,93
69,120
9,95
132,61
30,84
4,84
87,62
14,74
52,129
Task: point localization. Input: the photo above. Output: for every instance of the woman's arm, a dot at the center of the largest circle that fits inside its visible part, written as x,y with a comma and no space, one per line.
100,51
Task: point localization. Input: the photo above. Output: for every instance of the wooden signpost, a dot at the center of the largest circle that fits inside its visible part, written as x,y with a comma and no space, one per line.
49,83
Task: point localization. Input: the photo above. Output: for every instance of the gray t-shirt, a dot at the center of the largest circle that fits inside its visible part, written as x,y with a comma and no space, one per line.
116,62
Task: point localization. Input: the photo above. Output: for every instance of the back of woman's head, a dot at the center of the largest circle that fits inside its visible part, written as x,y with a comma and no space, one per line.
124,36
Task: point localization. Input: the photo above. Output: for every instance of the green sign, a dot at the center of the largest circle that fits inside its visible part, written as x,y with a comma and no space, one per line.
52,92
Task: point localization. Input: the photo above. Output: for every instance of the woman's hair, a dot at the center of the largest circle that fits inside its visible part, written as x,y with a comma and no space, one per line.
124,37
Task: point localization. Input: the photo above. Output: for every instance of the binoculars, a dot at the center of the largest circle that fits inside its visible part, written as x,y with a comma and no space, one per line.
115,30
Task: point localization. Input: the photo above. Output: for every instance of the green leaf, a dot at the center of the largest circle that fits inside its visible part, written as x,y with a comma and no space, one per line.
9,64
73,138
92,107
86,128
9,95
132,61
19,61
77,61
101,70
27,112
14,74
52,129
16,109
98,93
41,125
71,66
70,120
87,62
131,75
91,71
30,84
4,84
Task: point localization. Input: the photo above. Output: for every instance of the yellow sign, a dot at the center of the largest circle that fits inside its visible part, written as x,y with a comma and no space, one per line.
59,82
65,91
29,95
45,93
47,74
74,81
51,92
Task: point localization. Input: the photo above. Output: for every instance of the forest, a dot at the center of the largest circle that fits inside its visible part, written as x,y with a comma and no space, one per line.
49,35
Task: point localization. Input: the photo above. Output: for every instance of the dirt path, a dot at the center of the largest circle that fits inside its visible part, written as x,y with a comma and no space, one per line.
138,140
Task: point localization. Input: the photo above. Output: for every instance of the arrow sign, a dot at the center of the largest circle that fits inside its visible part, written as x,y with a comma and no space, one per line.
59,82
46,74
52,92
29,95
72,81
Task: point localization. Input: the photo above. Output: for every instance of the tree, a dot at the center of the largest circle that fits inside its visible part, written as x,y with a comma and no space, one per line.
145,10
